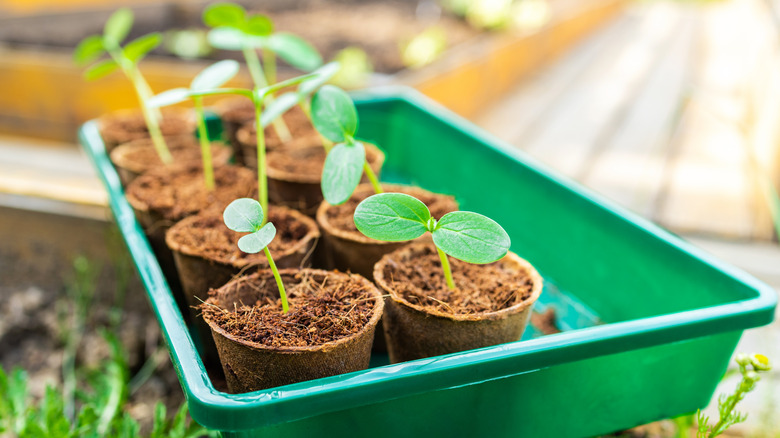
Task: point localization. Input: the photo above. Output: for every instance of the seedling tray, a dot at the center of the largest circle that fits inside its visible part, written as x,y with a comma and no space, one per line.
649,322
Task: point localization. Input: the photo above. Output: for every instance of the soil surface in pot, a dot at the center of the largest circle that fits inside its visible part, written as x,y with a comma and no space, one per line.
479,288
175,192
124,126
320,311
140,155
306,162
341,216
207,236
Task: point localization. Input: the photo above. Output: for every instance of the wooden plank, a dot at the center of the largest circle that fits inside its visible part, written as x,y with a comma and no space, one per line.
630,167
711,188
469,80
48,170
568,135
527,105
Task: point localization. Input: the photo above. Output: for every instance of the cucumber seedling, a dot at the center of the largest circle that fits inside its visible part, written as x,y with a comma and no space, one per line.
246,215
235,29
212,77
335,117
467,236
124,58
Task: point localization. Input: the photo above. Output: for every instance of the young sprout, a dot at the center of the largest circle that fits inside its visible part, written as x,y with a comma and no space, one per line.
235,29
245,215
335,117
397,217
125,58
212,77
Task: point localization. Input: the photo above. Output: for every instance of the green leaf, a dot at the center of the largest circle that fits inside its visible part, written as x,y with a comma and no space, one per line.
160,424
244,215
226,38
52,409
333,113
101,69
88,50
224,14
392,217
139,47
471,237
295,50
127,427
255,242
342,171
258,25
323,75
169,97
178,427
215,75
280,105
118,25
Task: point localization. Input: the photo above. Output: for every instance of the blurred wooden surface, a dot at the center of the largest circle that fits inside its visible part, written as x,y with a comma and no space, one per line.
671,111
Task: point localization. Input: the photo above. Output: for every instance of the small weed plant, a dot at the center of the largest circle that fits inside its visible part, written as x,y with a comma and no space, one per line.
92,401
126,59
749,367
467,236
245,215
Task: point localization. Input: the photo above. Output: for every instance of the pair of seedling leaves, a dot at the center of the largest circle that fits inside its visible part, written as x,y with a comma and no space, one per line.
116,29
392,217
235,29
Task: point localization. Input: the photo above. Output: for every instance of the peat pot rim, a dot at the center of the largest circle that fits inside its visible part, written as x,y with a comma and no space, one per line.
510,258
119,153
374,156
376,313
312,235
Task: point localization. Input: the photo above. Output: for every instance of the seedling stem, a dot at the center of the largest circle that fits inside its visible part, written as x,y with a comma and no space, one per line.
262,181
372,178
278,278
151,116
445,265
256,72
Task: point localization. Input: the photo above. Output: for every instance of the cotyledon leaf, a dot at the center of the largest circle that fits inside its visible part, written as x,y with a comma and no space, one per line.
471,237
392,217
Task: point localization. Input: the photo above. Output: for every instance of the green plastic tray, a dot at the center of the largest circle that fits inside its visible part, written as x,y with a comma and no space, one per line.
649,321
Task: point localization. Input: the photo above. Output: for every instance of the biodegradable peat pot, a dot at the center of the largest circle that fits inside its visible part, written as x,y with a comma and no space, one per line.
265,354
245,138
491,305
124,126
166,195
138,156
295,173
206,256
347,249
